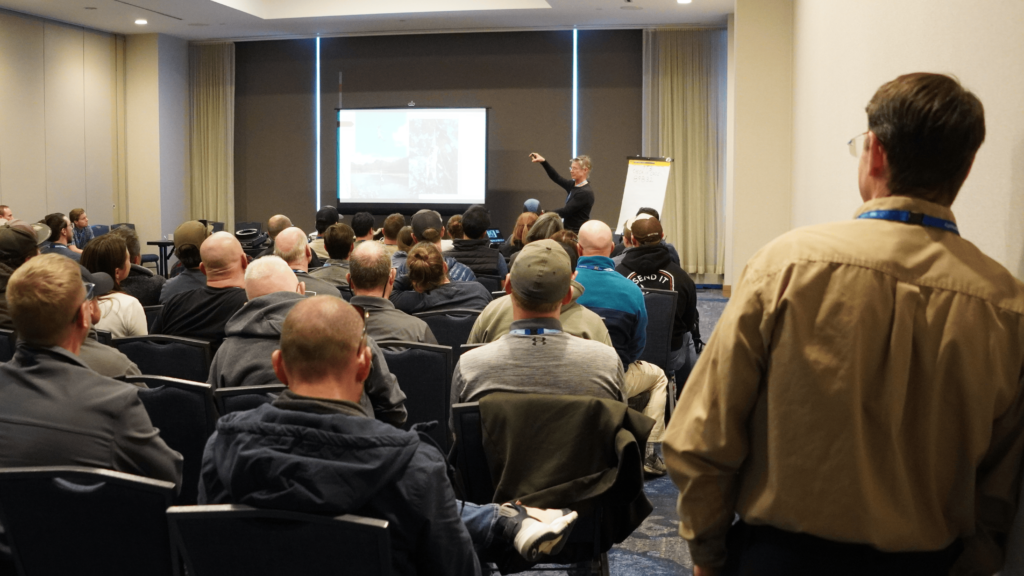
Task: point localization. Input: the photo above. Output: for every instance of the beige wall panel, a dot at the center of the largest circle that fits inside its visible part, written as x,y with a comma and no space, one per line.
100,126
22,118
64,98
174,169
142,111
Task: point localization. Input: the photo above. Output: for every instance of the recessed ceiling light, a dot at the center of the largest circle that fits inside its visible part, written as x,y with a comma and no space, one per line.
141,22
684,1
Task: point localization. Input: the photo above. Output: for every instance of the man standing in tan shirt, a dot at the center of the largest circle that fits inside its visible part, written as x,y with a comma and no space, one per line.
859,405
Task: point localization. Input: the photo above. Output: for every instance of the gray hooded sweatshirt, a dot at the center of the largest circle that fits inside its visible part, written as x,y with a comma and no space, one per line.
254,332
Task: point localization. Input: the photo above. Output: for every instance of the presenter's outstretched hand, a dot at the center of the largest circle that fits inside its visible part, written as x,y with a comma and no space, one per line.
534,157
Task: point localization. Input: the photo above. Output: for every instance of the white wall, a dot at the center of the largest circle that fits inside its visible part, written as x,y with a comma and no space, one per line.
845,49
57,130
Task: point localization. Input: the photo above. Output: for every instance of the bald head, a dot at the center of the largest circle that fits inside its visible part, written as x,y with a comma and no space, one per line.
268,275
595,239
321,339
277,223
369,269
224,261
292,247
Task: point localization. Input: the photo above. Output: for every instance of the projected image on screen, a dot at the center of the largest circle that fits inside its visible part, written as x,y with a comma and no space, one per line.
412,156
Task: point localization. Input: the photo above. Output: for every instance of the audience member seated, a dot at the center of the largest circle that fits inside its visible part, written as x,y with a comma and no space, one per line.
362,226
60,237
82,231
325,218
120,314
19,241
644,213
432,289
453,231
370,277
202,313
346,463
495,321
623,244
648,265
6,213
516,241
187,239
291,246
545,227
532,205
275,225
405,243
621,304
338,240
56,410
103,359
392,226
475,249
141,282
255,332
536,355
426,227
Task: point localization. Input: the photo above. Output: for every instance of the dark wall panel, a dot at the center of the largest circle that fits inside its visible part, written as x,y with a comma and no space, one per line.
275,150
610,112
524,77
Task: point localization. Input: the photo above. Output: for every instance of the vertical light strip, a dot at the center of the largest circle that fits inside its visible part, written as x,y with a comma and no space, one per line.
575,88
316,122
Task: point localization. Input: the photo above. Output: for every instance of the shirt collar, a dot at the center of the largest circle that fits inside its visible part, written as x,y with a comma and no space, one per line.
372,302
601,261
289,400
549,323
909,204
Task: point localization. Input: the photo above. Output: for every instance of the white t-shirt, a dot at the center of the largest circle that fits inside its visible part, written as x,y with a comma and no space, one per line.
122,315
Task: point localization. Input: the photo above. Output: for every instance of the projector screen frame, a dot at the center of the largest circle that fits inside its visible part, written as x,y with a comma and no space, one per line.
407,208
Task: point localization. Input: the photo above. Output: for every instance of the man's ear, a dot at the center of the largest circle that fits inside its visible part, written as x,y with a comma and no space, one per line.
568,296
301,288
202,268
391,276
579,249
348,278
878,158
364,360
245,261
277,361
84,316
507,286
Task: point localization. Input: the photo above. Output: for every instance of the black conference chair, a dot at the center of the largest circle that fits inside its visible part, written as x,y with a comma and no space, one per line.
75,520
424,373
7,345
238,539
152,313
498,294
492,283
99,229
173,356
186,415
104,337
661,314
241,398
463,348
450,327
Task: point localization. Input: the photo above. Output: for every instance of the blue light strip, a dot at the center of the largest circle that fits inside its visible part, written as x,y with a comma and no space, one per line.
575,87
316,122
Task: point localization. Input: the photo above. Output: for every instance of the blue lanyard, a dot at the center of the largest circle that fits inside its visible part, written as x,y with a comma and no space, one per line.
912,218
534,331
598,268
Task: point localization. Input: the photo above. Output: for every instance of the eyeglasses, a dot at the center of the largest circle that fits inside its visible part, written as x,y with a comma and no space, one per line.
856,144
90,291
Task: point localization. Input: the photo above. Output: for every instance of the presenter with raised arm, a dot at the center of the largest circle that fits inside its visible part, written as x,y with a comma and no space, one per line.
580,197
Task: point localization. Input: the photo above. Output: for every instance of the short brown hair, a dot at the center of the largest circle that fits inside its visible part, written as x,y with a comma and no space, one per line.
426,266
131,240
930,127
338,240
392,225
105,253
43,296
75,214
454,227
319,335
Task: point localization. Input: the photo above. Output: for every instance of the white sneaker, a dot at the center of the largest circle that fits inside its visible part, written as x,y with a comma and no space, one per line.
538,531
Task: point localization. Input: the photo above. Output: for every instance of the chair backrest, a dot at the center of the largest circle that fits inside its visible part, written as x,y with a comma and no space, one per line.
99,229
257,226
661,313
74,520
498,294
471,459
120,224
186,415
491,282
463,348
238,539
424,373
7,345
241,398
450,327
174,356
104,337
152,313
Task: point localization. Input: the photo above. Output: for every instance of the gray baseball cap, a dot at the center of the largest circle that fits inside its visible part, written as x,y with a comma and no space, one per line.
426,220
542,272
19,239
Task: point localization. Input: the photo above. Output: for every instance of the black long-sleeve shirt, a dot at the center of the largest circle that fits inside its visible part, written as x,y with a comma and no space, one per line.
577,204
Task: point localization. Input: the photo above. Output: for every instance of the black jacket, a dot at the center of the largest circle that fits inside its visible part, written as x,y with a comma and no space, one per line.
651,266
5,316
144,285
325,457
578,203
477,254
